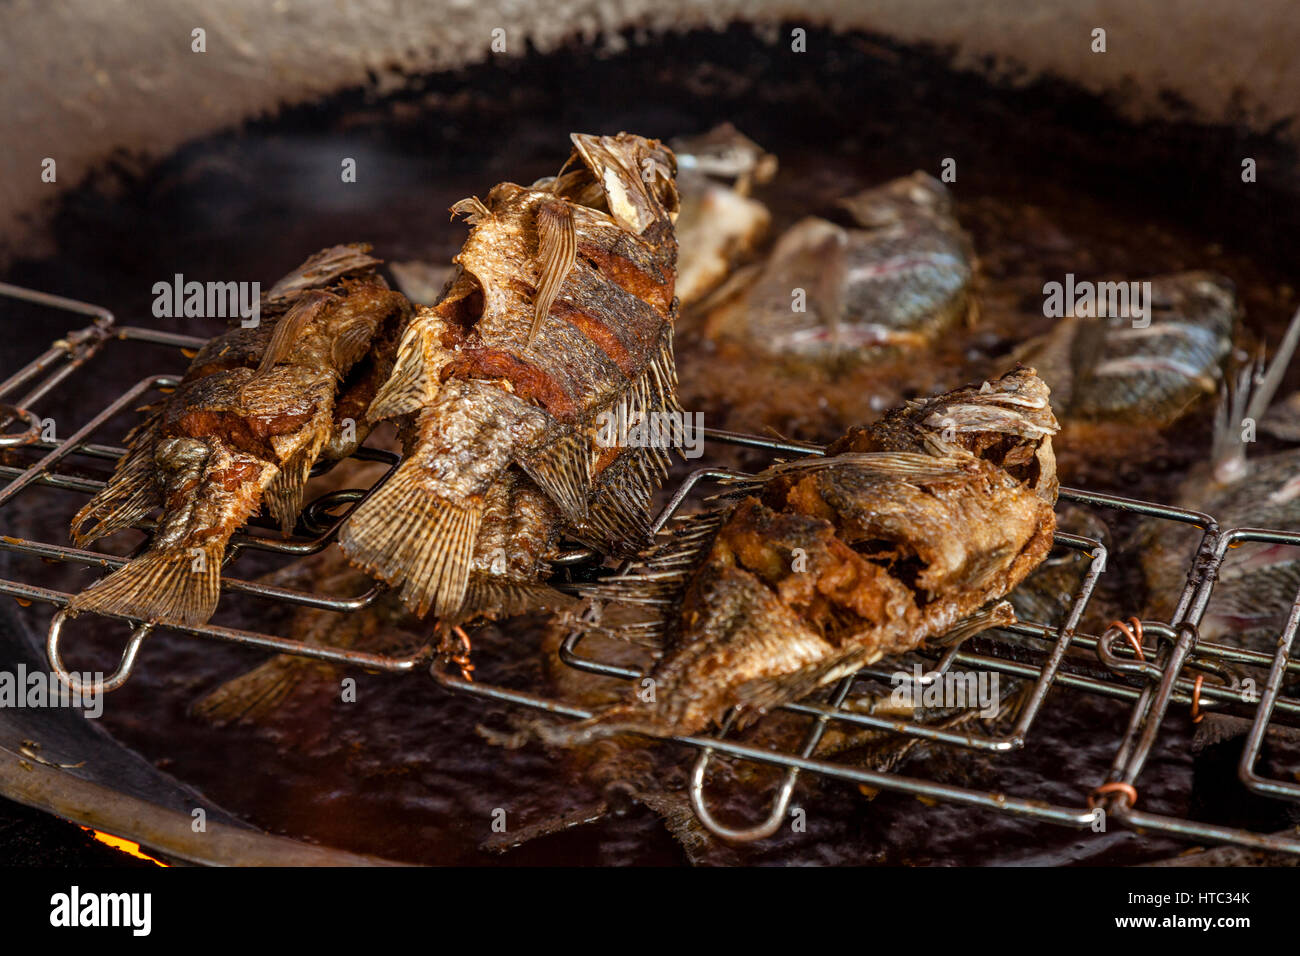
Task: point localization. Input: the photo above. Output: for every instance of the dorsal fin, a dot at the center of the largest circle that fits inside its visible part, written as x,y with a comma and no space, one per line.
557,251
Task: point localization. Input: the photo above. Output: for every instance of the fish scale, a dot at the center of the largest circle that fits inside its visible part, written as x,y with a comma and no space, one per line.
243,428
895,279
1107,370
562,310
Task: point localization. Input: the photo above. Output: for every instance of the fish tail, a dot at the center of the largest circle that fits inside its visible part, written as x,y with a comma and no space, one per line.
129,495
1248,397
283,496
254,696
408,536
171,585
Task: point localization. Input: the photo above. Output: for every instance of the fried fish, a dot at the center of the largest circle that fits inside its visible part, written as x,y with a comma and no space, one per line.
897,278
903,532
560,316
253,413
1111,370
720,223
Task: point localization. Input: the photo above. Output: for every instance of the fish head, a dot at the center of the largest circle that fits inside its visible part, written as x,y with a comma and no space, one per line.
724,152
634,179
1007,421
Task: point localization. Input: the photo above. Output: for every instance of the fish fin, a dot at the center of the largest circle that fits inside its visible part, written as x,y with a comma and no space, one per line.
174,586
504,597
128,495
754,697
562,470
619,516
1248,397
409,537
997,615
665,572
289,328
882,465
1277,369
352,343
1228,451
472,209
254,696
649,633
687,541
324,267
557,250
411,385
283,496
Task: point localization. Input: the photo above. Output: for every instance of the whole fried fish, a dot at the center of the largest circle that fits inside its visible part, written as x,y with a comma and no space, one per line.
903,532
834,295
1111,370
561,317
255,410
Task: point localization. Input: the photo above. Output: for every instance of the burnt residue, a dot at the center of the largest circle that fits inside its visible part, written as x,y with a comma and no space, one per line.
1049,181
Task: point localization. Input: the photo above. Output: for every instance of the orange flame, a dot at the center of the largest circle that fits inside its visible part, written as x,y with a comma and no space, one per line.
126,846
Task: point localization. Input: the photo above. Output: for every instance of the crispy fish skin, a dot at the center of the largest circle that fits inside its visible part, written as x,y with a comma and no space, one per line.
249,419
562,311
519,532
827,565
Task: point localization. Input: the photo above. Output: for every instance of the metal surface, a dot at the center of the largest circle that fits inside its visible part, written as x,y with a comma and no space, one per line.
1042,655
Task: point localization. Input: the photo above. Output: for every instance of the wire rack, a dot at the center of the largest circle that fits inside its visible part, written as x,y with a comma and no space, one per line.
1164,666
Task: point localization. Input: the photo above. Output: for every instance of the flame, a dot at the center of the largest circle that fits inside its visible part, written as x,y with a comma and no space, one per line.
126,846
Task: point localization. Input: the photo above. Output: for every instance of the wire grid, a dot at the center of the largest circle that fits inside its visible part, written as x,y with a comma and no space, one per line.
1149,686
